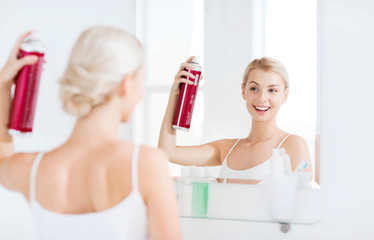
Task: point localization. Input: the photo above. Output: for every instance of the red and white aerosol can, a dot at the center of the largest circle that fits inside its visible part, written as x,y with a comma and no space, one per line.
187,97
26,90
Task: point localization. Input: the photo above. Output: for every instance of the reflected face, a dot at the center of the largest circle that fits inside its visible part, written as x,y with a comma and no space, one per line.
264,93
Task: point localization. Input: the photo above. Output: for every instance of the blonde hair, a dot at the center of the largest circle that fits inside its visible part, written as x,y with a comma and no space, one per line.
267,64
99,60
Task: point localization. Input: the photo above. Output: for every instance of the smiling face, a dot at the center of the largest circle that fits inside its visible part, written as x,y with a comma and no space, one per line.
264,93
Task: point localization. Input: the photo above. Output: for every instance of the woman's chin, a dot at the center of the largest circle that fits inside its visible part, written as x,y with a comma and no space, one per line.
261,118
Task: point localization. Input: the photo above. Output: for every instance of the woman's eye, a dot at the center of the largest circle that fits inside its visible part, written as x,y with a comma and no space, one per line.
253,89
273,90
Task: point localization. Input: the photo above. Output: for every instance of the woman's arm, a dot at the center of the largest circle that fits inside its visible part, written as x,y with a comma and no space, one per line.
203,155
297,149
7,76
157,188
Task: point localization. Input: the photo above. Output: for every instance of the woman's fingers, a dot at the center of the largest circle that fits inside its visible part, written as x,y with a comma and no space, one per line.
13,64
185,73
181,79
190,59
27,60
182,75
185,65
17,45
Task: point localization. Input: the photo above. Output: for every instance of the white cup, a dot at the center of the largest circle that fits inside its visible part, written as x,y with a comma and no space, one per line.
303,179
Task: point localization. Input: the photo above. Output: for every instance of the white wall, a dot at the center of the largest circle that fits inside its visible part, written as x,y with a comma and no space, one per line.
345,58
346,83
59,24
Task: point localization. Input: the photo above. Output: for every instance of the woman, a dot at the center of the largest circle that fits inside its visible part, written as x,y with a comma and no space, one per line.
94,186
264,89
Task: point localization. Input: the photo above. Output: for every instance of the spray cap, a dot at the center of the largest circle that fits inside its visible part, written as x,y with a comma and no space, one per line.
196,64
32,43
194,60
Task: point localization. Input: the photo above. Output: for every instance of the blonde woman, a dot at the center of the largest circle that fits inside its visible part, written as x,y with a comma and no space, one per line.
94,186
265,89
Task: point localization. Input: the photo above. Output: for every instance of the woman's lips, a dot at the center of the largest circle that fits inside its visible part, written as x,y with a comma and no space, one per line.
261,109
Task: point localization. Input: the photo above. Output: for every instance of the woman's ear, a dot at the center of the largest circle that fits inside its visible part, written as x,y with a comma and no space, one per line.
125,86
243,91
285,95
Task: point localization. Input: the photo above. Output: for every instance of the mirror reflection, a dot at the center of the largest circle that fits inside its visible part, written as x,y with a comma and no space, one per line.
229,126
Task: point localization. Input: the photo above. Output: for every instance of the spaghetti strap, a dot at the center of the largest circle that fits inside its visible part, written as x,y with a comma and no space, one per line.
280,144
225,160
232,148
134,168
34,169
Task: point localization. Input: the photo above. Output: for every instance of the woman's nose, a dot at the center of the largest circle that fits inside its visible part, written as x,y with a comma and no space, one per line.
263,96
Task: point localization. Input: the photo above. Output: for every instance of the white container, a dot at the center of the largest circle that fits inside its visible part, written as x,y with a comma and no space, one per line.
281,193
277,164
304,179
185,193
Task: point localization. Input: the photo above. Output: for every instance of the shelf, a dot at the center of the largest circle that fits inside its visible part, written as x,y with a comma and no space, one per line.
248,202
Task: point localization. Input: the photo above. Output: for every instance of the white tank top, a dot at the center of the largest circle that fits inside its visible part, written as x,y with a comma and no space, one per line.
258,172
126,220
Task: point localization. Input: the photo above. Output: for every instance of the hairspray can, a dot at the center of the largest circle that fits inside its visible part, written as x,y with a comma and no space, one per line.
186,101
26,89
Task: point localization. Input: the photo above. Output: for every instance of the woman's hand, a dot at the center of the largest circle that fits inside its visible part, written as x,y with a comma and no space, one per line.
14,64
182,74
7,74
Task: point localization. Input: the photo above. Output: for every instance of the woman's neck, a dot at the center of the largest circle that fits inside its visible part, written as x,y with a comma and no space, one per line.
262,131
99,125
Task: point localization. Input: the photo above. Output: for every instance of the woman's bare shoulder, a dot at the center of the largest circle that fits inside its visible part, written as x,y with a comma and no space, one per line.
294,141
297,148
153,169
150,155
226,144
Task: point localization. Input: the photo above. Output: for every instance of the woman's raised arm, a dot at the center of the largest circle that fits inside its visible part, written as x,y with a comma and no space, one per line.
203,155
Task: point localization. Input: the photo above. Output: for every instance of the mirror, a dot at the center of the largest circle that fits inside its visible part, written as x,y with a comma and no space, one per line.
225,36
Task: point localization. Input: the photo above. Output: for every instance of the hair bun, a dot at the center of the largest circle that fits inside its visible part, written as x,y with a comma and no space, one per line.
74,102
98,62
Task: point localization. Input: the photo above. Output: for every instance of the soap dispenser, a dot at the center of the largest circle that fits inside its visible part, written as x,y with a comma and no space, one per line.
286,161
277,164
